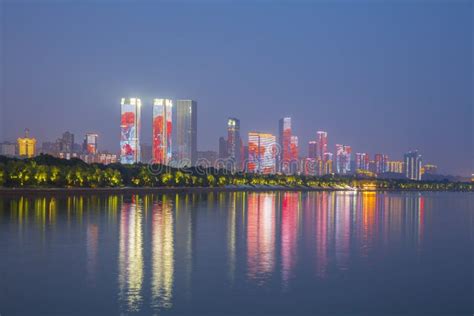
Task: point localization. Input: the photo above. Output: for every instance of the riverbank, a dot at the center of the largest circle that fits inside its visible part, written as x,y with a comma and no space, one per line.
149,190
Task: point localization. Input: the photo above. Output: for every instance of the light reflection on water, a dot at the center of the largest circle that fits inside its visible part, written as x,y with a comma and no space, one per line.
161,253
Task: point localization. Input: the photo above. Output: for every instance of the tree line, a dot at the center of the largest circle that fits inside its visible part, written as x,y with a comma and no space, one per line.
48,171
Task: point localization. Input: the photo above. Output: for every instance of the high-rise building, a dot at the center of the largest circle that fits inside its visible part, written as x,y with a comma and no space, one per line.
162,129
395,166
234,142
413,165
294,154
262,153
327,163
26,145
321,144
65,144
206,158
284,142
130,130
312,144
222,148
362,161
343,159
380,163
186,132
90,145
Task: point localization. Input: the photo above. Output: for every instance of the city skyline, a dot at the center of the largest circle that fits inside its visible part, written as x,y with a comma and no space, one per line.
366,89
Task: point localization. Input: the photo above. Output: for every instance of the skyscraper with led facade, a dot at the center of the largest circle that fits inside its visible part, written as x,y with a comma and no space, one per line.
413,165
343,159
90,145
362,161
284,142
234,142
161,130
130,130
321,144
262,153
186,132
380,163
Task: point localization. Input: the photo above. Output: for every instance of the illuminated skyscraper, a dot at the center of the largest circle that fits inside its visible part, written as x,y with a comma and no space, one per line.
380,163
321,144
327,163
130,130
90,143
284,142
26,145
162,128
395,166
294,154
186,132
234,142
262,153
343,159
413,165
362,161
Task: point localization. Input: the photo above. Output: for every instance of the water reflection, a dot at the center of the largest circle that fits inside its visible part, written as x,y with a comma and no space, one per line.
131,254
266,237
162,254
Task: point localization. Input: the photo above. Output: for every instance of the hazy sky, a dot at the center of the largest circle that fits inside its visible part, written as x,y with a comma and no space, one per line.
381,76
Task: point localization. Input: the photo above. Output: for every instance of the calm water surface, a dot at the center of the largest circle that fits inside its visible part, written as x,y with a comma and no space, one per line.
238,253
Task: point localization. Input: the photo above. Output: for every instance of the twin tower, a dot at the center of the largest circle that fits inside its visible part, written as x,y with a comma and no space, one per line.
185,131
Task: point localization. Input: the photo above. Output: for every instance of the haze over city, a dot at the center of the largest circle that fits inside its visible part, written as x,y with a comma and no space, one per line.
381,77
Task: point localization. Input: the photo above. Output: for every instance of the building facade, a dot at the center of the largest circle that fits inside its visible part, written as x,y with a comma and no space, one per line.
413,165
343,159
26,146
186,132
161,131
284,142
234,143
90,145
262,153
362,161
130,130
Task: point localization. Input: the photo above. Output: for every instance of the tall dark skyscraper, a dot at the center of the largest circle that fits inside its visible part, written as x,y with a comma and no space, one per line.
222,148
312,149
413,165
186,131
234,142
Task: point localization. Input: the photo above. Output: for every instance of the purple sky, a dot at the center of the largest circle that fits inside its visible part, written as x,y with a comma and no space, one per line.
381,76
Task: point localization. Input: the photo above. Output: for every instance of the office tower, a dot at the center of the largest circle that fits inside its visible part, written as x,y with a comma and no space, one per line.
234,142
362,161
413,165
65,144
321,144
284,142
130,130
26,145
90,145
343,159
380,163
146,152
186,132
395,166
162,129
222,148
312,144
294,154
262,153
327,163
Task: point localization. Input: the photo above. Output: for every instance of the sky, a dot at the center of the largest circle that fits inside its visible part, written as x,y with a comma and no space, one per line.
380,76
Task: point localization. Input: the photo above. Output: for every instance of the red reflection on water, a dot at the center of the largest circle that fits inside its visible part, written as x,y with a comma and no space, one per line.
289,233
261,236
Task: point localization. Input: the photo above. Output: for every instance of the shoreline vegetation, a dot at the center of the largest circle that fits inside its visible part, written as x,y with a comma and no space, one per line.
47,174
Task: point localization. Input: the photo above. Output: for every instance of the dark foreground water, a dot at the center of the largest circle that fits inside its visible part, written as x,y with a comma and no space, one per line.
238,253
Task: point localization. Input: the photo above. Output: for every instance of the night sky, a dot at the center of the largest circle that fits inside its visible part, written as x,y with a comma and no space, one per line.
380,76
